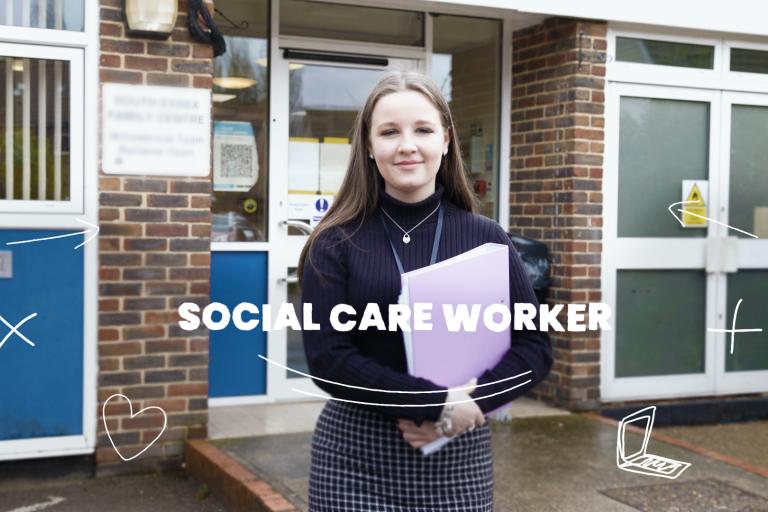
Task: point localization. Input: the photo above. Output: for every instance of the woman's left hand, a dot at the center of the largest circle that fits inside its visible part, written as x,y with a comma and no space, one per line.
418,436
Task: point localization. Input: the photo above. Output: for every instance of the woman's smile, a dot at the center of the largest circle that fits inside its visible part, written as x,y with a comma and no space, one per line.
408,164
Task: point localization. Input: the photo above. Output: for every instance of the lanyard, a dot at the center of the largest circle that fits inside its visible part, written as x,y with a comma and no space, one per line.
435,243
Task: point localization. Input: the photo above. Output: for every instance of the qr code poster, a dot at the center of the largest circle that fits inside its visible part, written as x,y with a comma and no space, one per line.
235,159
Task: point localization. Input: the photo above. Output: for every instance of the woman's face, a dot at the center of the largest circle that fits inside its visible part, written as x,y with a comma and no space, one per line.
408,142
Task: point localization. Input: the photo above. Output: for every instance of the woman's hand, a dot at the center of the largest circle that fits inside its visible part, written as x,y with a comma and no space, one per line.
418,436
465,416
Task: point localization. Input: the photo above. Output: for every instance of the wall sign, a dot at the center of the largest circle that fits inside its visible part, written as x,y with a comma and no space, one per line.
156,131
695,193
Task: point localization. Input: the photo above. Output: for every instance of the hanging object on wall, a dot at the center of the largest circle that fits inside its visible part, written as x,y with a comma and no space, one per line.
208,32
151,17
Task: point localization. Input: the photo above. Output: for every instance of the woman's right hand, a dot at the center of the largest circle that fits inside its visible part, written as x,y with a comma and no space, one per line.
466,415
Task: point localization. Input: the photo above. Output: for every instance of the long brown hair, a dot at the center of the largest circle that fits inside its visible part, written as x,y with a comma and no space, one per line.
358,195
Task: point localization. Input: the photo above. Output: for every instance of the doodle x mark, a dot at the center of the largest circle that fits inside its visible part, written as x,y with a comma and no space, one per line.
14,329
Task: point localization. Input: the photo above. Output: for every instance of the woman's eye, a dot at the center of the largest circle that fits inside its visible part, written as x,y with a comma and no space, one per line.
426,130
388,132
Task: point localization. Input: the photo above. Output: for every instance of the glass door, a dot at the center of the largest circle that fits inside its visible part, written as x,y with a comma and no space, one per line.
742,366
321,100
656,273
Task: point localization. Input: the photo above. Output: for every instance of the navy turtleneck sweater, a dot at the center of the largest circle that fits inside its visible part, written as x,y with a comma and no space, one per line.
362,269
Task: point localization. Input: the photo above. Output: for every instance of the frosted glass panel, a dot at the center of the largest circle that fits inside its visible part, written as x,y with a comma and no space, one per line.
750,349
660,324
749,61
748,202
666,53
661,143
55,14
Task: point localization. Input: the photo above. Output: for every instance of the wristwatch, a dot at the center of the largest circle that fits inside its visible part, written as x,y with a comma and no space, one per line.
445,423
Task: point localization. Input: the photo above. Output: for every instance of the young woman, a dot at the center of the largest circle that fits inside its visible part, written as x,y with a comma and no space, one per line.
404,203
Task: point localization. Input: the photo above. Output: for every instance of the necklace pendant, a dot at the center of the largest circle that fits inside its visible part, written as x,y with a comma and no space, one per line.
406,238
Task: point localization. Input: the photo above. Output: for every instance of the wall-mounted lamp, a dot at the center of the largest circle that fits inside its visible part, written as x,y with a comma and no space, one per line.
233,82
151,17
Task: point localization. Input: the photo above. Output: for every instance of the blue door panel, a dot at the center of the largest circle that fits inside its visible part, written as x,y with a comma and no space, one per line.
235,366
41,386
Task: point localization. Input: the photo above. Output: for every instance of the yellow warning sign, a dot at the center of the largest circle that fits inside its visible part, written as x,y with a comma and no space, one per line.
694,207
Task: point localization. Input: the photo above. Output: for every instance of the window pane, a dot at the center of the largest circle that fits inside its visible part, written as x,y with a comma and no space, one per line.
646,51
661,143
56,14
466,65
748,202
324,103
749,61
750,349
351,23
240,139
34,130
660,327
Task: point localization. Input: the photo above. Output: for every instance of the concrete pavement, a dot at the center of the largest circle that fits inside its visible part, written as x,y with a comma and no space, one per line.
562,464
166,492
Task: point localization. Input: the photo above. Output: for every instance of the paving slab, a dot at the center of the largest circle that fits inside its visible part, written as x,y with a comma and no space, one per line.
548,464
166,492
745,441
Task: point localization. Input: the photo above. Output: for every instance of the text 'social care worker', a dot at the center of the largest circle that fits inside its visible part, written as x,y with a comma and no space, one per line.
405,172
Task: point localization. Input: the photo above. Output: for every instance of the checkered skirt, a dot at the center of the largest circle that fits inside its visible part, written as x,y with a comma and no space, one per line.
361,463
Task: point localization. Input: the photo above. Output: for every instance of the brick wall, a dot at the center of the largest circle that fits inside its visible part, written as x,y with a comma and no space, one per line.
154,252
558,96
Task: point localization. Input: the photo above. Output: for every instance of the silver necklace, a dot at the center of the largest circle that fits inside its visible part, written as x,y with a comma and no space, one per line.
406,234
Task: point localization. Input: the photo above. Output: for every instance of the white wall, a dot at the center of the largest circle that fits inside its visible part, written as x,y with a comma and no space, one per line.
737,16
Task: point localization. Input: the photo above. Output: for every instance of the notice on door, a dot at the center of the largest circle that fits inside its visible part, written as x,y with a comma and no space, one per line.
695,197
156,131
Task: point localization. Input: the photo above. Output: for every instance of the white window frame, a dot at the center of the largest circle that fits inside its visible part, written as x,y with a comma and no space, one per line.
722,88
750,253
622,253
74,57
720,77
657,74
740,80
51,42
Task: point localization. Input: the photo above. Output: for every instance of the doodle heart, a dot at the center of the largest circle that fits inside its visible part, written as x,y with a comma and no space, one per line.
132,416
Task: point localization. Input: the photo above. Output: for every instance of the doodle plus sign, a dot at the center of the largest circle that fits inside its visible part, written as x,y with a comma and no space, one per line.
733,330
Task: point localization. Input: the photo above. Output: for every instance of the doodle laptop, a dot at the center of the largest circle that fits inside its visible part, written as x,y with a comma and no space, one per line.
641,461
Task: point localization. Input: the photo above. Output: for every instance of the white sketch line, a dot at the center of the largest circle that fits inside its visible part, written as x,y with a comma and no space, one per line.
389,390
15,330
95,231
52,500
642,462
130,405
411,405
733,330
680,220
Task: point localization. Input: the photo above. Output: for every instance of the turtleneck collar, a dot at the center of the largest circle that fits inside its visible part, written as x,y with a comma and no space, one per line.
411,213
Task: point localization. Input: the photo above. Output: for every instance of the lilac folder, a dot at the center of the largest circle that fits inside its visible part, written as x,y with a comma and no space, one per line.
479,276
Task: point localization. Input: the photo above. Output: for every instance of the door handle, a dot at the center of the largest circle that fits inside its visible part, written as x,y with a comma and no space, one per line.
301,226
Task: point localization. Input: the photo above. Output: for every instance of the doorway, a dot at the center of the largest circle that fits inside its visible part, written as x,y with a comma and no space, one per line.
325,91
674,288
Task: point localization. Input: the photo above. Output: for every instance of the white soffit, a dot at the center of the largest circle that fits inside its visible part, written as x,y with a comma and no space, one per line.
735,16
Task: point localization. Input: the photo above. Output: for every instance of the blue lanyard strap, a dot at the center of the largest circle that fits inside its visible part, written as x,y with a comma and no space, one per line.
435,243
